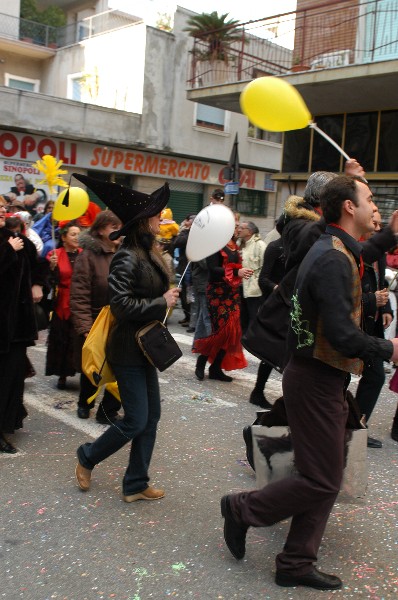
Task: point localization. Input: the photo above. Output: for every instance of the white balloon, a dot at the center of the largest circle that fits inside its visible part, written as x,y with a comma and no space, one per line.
211,230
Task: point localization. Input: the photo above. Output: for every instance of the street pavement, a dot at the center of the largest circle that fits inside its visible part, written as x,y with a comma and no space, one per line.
57,542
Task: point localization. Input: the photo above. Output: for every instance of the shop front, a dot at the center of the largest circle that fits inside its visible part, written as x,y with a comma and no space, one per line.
191,180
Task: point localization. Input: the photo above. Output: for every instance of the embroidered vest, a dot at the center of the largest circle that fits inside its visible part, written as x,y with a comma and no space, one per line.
323,350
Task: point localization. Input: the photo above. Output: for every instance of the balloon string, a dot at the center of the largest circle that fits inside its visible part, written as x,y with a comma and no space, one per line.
329,139
53,234
178,286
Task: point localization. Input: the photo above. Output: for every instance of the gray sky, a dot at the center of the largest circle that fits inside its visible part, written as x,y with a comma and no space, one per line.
243,10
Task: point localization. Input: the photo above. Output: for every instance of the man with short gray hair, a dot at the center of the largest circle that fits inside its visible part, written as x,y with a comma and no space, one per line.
252,250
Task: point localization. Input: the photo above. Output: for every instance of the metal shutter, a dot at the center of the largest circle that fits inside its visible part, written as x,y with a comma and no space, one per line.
183,203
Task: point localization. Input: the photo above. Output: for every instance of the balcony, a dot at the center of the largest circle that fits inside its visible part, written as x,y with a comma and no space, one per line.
43,39
24,37
335,48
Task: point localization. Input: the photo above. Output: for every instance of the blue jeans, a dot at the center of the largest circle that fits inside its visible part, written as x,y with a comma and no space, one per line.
203,323
140,397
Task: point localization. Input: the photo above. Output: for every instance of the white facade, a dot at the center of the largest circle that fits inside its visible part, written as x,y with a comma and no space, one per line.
132,86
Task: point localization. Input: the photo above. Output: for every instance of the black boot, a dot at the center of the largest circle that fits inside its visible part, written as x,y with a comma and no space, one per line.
215,371
257,396
5,446
200,367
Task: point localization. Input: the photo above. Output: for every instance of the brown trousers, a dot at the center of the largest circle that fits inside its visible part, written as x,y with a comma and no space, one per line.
317,415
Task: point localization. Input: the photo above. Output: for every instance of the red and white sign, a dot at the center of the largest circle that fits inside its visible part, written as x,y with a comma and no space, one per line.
19,151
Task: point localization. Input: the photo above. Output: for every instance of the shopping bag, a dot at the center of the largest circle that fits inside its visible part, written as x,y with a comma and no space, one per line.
274,459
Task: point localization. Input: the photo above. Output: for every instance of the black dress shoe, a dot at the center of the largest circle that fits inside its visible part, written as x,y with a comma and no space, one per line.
6,447
234,534
373,443
394,434
190,329
257,397
314,579
83,413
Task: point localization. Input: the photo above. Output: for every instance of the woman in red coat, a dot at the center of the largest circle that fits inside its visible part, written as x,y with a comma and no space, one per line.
60,351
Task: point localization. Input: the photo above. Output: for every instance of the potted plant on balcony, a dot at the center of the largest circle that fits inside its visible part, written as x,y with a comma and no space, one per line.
215,35
298,65
44,23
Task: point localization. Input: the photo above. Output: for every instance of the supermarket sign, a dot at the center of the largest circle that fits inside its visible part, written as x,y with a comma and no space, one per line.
18,151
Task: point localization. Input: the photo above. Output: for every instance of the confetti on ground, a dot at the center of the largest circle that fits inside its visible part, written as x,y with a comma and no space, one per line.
62,404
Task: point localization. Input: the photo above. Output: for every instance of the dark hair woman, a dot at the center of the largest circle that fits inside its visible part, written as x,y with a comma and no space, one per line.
139,293
22,278
61,337
88,294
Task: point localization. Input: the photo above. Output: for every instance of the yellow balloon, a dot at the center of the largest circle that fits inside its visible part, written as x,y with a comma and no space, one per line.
274,104
72,206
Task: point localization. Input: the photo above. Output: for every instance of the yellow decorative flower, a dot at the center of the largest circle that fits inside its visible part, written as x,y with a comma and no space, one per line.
50,168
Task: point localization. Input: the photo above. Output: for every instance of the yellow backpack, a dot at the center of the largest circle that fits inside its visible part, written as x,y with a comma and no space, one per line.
94,363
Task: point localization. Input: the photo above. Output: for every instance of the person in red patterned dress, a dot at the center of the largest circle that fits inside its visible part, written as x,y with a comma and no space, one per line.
223,348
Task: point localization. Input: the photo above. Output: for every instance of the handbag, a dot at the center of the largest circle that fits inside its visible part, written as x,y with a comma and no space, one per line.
41,315
158,345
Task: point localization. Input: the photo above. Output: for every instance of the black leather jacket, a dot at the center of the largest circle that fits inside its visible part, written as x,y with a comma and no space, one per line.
137,281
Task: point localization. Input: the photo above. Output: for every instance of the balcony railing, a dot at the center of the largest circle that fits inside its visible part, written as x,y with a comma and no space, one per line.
13,28
322,37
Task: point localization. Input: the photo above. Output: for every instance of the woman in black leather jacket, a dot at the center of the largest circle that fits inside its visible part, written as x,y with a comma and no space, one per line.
139,293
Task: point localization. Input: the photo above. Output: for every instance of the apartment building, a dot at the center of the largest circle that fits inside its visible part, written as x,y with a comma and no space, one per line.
106,94
345,65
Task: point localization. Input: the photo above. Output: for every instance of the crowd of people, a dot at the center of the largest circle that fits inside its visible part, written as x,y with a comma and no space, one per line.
311,302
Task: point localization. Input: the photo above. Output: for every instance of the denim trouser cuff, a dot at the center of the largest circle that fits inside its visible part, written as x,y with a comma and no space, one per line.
81,456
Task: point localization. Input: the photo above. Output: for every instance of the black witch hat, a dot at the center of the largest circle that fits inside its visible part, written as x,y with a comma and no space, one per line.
129,205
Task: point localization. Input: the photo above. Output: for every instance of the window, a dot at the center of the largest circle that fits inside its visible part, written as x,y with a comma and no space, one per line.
211,117
22,83
370,137
385,197
388,158
83,32
75,87
360,138
250,202
296,151
266,136
83,87
324,156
